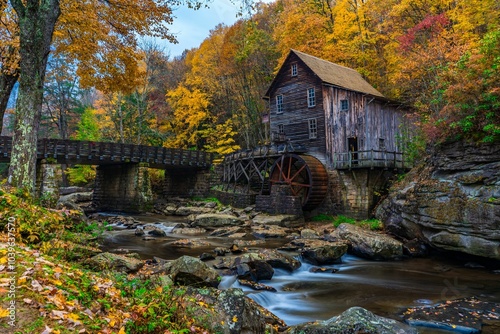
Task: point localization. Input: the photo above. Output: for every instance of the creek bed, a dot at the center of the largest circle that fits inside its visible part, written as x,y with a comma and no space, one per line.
384,288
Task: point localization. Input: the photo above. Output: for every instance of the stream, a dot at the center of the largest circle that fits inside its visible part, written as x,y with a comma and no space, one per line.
384,288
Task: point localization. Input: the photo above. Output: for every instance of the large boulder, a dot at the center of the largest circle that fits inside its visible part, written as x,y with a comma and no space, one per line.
451,202
226,312
278,220
189,210
465,315
77,197
318,252
327,254
115,262
369,244
354,320
190,271
270,232
278,259
216,220
274,258
254,271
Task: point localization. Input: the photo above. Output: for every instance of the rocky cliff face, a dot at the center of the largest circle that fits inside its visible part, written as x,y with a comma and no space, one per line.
452,202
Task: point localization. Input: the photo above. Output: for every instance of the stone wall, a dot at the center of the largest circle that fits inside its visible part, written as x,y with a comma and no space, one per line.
187,182
234,199
354,192
361,190
124,188
451,202
280,201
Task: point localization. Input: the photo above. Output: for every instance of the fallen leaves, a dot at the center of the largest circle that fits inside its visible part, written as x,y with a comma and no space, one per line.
66,297
4,313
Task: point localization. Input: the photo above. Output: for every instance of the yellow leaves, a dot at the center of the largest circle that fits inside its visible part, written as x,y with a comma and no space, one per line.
235,319
73,316
221,138
4,313
190,113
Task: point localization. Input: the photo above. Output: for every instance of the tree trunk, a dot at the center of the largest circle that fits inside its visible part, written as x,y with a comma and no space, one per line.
7,82
37,19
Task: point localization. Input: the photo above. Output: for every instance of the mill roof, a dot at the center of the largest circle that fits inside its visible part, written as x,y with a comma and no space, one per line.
334,74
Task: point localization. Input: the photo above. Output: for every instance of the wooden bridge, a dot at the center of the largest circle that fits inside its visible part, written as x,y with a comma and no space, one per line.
122,182
105,153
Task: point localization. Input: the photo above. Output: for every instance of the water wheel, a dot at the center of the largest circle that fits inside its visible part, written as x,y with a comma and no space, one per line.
306,176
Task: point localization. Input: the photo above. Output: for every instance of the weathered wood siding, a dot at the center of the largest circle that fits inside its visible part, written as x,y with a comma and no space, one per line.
296,113
367,120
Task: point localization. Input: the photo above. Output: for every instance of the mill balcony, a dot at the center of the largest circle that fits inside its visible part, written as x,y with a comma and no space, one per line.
371,159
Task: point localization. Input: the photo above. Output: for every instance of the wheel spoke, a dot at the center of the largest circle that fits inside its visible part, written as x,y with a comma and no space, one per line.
297,171
300,184
300,170
289,167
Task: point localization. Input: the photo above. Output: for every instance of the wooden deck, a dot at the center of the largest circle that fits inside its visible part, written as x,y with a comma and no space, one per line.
370,159
103,153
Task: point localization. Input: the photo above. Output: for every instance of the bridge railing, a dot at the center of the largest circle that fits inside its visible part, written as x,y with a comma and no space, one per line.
95,153
370,158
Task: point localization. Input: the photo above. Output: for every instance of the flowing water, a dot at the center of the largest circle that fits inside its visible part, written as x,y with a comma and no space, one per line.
384,288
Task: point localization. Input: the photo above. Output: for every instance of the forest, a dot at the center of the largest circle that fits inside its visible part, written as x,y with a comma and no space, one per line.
104,83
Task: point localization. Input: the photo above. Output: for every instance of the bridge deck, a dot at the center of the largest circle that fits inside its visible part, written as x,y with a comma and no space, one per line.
102,153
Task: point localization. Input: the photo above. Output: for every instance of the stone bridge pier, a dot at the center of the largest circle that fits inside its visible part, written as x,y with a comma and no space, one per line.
123,187
186,182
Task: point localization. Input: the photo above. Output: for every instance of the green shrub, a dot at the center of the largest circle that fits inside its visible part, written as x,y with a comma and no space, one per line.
372,224
343,220
322,217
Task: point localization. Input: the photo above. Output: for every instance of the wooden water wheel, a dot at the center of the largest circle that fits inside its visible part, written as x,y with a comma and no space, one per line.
306,176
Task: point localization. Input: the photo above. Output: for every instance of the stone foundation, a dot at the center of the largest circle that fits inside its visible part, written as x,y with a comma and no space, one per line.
125,187
234,199
279,202
187,182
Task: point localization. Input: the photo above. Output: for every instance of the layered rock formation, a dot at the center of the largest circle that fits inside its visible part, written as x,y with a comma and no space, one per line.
452,202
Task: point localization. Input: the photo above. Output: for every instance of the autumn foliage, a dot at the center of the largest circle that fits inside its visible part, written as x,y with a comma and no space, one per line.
439,57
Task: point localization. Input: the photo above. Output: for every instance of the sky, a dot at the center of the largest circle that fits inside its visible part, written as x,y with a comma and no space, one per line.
191,26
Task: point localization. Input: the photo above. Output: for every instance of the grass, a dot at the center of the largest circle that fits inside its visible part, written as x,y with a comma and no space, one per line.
371,224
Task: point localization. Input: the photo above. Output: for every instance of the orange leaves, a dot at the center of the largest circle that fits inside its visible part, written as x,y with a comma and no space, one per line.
102,36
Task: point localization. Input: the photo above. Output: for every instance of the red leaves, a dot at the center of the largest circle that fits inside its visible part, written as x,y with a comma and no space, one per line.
428,28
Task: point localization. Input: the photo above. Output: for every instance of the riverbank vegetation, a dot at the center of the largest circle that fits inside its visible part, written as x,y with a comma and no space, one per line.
54,292
372,224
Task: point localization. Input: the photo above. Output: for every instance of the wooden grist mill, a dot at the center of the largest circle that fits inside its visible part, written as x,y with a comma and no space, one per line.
336,141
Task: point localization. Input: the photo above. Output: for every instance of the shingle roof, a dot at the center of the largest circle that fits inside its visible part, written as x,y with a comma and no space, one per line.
337,75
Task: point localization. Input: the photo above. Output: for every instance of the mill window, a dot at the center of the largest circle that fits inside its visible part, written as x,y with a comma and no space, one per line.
313,128
281,128
344,105
279,104
294,70
381,144
311,97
